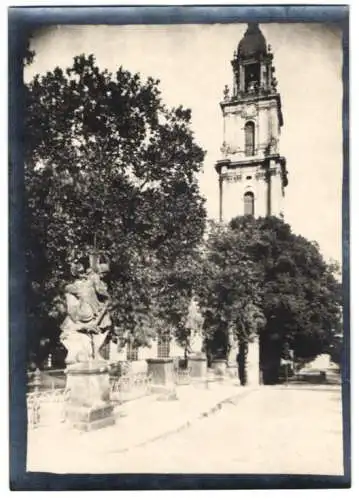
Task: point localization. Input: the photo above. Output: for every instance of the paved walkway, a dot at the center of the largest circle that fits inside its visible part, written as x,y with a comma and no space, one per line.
268,430
274,430
60,449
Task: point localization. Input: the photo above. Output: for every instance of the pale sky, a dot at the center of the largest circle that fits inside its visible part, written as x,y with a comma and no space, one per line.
192,63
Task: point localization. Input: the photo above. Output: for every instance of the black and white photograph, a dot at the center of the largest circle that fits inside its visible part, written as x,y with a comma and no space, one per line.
182,232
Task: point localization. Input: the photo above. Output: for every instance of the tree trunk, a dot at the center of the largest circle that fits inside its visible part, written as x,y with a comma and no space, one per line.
270,360
242,361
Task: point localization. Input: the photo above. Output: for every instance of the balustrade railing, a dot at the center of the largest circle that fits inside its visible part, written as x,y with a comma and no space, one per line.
130,386
47,393
182,376
46,407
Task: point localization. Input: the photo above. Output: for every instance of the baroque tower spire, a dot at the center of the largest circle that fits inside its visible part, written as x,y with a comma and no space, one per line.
252,174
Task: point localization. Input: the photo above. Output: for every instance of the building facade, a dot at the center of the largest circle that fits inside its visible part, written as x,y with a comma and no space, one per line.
252,173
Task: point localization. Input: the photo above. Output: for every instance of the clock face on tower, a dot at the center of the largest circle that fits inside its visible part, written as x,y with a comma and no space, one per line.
250,110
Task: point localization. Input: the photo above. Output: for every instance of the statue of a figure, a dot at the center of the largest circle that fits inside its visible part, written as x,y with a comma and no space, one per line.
226,93
232,346
87,325
194,323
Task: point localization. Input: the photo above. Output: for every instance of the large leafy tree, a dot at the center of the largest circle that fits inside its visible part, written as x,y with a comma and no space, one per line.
300,293
227,290
110,167
301,296
264,277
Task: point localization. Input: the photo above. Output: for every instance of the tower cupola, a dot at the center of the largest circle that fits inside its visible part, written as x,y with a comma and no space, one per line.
253,70
253,42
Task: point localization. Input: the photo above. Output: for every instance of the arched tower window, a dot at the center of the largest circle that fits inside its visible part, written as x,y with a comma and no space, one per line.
248,203
249,131
252,77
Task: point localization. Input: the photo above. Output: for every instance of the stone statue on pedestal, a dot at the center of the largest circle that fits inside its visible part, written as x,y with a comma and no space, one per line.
232,355
87,325
86,332
194,324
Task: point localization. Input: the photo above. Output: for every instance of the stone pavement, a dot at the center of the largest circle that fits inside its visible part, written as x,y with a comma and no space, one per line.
275,430
59,449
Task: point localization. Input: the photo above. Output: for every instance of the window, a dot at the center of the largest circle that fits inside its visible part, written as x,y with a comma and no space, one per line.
248,204
132,352
249,139
252,77
163,347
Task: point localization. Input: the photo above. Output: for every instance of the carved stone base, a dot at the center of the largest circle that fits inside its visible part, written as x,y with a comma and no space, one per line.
197,366
88,419
161,371
220,367
232,370
162,375
88,406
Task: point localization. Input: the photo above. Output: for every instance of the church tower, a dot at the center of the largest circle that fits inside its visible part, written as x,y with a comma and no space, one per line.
252,174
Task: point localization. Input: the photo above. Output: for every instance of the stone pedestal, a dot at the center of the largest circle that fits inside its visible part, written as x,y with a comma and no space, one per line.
232,369
220,367
139,366
253,368
162,375
198,366
88,406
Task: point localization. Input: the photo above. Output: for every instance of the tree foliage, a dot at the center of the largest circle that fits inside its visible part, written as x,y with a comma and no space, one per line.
259,275
108,165
228,291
